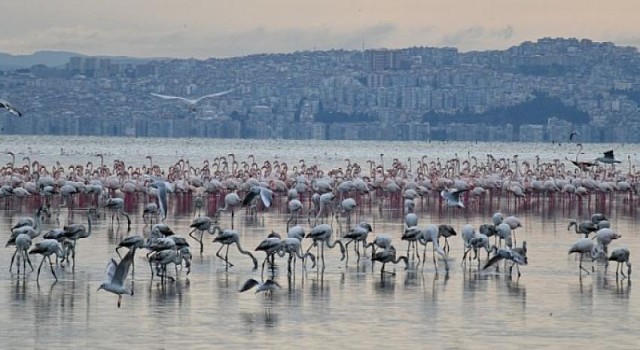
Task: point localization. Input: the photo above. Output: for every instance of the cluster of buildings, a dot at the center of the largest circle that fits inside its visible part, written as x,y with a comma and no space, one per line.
367,95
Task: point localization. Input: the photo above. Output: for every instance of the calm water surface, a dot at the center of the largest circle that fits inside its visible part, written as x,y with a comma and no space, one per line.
347,305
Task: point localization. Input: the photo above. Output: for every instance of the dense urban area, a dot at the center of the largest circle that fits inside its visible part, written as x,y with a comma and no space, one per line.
537,91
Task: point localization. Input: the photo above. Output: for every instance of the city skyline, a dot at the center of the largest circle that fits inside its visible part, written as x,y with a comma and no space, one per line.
204,29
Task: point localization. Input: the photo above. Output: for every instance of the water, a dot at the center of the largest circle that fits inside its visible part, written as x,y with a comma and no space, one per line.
346,306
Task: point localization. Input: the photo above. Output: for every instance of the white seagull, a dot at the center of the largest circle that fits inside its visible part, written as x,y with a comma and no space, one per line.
192,102
116,275
6,105
452,195
268,286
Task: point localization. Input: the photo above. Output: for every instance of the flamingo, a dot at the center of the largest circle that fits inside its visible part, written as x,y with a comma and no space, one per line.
228,237
23,243
202,224
357,234
446,231
506,254
322,233
389,256
293,246
74,232
131,242
295,207
231,201
584,246
117,206
430,234
270,246
46,248
621,256
584,228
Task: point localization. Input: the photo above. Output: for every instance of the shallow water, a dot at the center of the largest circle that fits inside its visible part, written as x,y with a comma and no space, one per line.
347,305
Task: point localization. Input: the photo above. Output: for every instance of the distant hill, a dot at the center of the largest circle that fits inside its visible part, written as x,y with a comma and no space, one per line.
55,59
535,111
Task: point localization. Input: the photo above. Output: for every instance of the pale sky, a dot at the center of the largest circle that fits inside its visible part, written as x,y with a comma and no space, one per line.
226,28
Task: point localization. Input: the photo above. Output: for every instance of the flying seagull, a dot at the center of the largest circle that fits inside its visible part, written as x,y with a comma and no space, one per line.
608,158
192,102
6,105
116,276
268,286
452,195
573,133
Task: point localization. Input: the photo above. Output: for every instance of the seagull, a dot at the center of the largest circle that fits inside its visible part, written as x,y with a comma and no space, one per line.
162,196
6,105
269,286
608,158
573,133
192,102
265,194
116,275
452,195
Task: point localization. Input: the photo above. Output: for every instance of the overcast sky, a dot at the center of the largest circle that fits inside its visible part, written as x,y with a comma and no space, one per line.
225,28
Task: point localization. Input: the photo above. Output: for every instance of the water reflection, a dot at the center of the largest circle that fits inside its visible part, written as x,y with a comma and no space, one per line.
355,300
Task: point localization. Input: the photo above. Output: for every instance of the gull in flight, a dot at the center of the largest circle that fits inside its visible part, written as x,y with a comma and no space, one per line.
117,274
193,102
608,158
268,286
452,195
6,105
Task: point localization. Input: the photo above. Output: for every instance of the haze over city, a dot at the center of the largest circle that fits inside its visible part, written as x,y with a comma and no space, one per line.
203,29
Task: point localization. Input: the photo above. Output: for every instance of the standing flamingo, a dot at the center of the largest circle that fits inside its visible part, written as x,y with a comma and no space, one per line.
227,238
46,248
322,234
202,224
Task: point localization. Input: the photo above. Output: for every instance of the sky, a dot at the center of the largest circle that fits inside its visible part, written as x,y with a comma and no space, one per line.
228,28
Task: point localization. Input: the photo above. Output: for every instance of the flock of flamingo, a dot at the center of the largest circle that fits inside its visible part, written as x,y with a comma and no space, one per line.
319,204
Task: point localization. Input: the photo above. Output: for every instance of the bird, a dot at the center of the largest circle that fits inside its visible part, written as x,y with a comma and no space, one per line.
161,186
452,196
8,106
270,247
23,243
46,248
32,221
192,102
322,234
231,201
116,276
357,234
132,242
508,254
584,228
608,158
584,246
117,205
446,231
573,134
389,256
268,286
228,237
265,194
295,207
202,224
621,256
74,232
